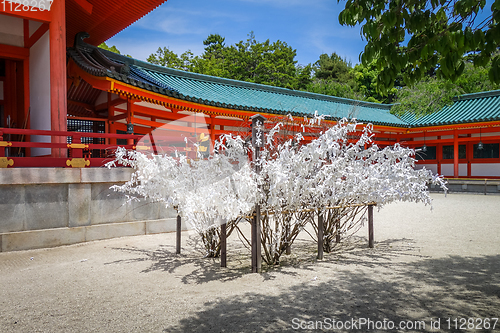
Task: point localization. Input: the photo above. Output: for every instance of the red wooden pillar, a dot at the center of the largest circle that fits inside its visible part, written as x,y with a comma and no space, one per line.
58,106
26,121
455,153
469,149
439,155
109,123
130,115
2,150
212,134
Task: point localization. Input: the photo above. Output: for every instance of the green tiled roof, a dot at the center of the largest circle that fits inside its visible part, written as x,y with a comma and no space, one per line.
226,93
470,108
247,96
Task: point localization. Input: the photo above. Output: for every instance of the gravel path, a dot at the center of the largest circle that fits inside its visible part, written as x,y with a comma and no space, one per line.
427,265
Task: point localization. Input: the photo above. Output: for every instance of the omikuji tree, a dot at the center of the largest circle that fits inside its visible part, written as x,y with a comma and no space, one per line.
207,192
341,166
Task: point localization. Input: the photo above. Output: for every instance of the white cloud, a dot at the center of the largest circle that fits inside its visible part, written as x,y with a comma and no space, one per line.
177,21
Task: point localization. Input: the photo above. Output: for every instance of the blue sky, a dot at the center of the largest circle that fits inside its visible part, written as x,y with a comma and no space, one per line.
311,27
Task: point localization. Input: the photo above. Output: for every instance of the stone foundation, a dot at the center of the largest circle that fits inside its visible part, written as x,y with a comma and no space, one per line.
45,207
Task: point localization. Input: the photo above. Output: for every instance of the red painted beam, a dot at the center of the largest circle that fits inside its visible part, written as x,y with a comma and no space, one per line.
14,52
36,35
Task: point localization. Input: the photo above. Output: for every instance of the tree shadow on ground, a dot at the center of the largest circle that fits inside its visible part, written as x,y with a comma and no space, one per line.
165,259
204,270
452,287
304,256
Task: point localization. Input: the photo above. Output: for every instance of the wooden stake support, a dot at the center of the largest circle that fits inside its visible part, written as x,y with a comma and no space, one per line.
256,242
320,235
370,227
178,240
223,245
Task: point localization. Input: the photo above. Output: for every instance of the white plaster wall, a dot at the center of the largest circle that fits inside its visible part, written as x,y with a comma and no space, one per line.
447,170
228,118
462,170
485,169
153,106
477,135
11,30
174,122
200,123
432,167
40,91
122,106
103,98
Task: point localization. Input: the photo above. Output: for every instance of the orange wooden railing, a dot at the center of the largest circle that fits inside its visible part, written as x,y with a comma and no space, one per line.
17,153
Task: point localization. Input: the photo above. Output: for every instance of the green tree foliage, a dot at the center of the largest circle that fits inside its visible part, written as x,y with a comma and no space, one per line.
333,67
433,93
366,83
334,76
165,57
334,88
214,46
440,35
259,62
265,63
303,76
113,48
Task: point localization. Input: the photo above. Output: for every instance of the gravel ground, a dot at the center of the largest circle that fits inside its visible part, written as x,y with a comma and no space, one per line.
427,267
